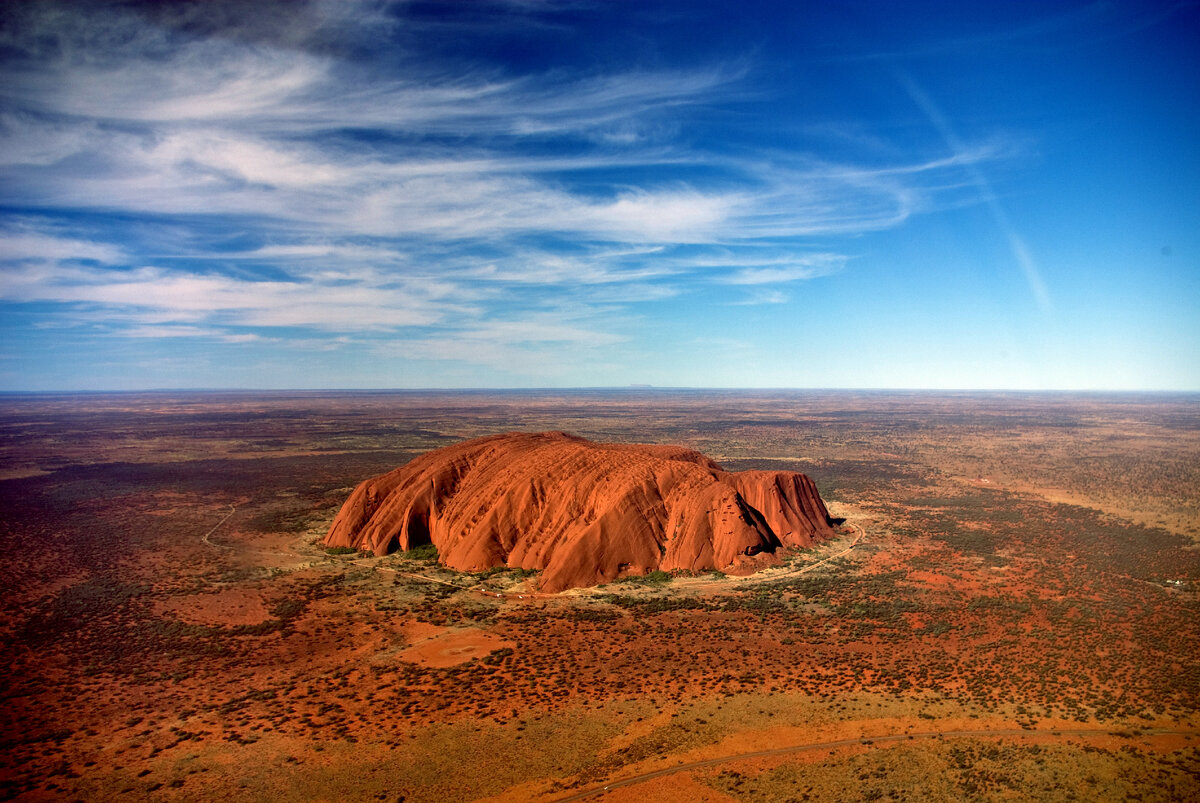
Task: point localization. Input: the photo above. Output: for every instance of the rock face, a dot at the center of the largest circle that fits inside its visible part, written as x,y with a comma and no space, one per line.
584,513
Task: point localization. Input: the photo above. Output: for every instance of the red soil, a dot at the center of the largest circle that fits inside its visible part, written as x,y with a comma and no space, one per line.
584,513
451,646
232,606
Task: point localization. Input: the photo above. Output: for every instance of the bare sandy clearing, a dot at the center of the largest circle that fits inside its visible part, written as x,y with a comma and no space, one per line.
230,607
441,647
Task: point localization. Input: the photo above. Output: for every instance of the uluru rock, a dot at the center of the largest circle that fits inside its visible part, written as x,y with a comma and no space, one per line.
583,513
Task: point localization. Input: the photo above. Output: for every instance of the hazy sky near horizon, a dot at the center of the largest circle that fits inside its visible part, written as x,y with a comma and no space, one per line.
549,194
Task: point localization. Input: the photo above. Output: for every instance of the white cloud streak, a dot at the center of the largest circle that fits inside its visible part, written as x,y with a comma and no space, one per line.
178,297
24,243
784,270
372,202
1016,244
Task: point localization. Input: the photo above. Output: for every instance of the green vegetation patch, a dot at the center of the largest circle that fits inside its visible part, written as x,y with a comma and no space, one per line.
655,578
426,552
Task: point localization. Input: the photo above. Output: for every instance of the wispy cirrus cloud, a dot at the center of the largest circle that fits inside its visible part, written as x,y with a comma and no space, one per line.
980,182
781,270
762,297
156,332
19,243
541,338
151,294
264,184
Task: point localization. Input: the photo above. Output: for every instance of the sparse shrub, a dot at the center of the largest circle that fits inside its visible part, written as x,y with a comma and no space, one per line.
655,578
289,608
340,550
424,552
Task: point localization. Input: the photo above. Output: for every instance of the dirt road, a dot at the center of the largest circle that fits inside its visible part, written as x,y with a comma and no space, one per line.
863,740
204,538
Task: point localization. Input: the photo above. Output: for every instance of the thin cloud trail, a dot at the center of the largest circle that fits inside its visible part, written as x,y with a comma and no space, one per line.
1016,243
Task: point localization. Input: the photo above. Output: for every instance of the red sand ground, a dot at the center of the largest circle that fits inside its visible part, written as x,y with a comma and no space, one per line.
137,665
442,646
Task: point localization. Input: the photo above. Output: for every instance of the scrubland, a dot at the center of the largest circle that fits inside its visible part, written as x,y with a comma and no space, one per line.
1011,611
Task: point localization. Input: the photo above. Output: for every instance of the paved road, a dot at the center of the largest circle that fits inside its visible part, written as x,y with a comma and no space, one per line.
864,740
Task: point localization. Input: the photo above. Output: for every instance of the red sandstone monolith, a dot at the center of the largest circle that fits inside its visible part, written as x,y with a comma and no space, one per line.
582,513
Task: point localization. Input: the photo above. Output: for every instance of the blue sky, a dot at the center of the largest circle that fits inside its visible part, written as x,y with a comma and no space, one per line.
542,194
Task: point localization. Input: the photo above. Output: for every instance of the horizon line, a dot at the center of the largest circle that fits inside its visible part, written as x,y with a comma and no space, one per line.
593,388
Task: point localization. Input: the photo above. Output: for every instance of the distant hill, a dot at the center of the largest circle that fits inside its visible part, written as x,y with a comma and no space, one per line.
583,513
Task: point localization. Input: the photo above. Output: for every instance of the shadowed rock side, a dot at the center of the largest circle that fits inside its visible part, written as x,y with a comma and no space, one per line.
584,513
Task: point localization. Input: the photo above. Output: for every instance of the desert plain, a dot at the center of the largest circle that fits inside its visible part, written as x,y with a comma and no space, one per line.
1008,612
